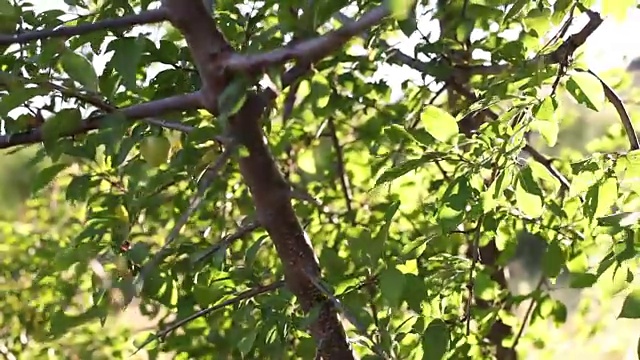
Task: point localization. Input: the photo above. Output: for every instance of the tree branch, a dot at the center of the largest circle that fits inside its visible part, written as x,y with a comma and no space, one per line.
310,50
147,17
340,166
270,192
245,295
204,183
560,55
139,111
272,198
148,112
614,99
206,43
227,240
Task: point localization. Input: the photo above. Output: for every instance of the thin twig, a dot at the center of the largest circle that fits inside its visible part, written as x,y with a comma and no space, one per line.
614,99
146,17
181,102
308,51
532,303
205,182
104,106
245,295
475,257
342,171
239,234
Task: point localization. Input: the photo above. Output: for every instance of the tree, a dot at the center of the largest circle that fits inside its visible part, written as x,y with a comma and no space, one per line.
235,169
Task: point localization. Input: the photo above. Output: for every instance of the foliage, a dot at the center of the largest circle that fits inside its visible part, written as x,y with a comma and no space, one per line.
145,185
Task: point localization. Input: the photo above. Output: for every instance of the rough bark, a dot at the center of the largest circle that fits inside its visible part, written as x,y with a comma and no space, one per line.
272,199
270,192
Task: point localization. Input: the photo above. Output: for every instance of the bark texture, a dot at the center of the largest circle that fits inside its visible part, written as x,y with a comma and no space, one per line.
270,192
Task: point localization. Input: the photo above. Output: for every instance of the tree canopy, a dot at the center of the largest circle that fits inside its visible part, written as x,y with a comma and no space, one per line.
310,179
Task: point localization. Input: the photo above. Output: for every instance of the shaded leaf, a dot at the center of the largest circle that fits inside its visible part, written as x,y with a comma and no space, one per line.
435,340
79,69
392,283
127,53
631,306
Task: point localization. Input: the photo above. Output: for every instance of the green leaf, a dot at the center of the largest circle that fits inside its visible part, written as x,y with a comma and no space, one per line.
582,280
252,252
600,198
392,283
585,178
400,9
78,188
127,53
232,97
545,124
435,340
528,200
409,25
63,122
631,306
537,21
553,259
62,324
587,90
530,204
414,291
546,109
399,170
492,196
246,343
6,8
139,252
398,133
439,123
79,69
548,129
515,9
623,219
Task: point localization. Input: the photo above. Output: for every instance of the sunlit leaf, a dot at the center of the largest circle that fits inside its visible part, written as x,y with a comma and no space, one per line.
400,9
587,90
439,123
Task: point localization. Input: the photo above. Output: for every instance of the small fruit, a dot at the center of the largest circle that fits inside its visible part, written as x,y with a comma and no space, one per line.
155,150
209,156
122,213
